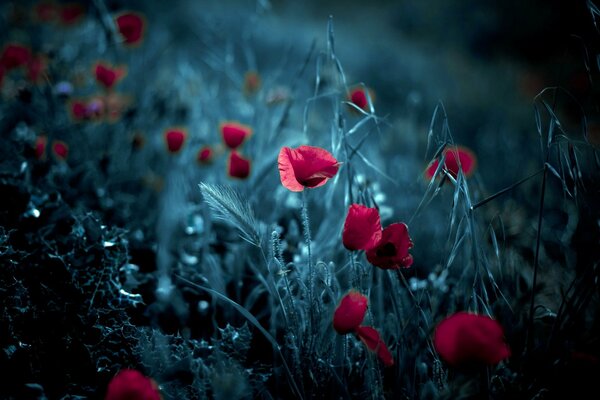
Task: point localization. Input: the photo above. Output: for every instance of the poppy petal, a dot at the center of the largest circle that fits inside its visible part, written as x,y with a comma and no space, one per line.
175,139
350,312
362,228
470,338
131,27
40,147
234,133
60,150
372,339
306,166
392,250
14,56
238,166
131,384
204,155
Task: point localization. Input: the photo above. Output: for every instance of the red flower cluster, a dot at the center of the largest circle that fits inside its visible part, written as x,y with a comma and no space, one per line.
456,158
306,167
234,135
348,317
130,384
465,338
387,248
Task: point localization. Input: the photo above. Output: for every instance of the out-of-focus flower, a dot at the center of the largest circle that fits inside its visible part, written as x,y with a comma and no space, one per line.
358,97
35,68
350,312
71,13
372,339
107,75
45,11
362,228
392,250
456,158
40,147
204,155
306,167
234,133
252,82
60,150
14,56
465,338
174,139
238,166
130,384
131,26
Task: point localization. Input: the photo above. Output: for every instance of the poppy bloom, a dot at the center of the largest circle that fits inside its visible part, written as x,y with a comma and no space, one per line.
358,97
14,56
78,110
40,147
71,13
251,82
372,339
465,338
362,228
174,139
306,167
466,159
392,250
204,155
238,166
234,133
131,27
349,313
35,68
45,11
60,150
106,75
130,384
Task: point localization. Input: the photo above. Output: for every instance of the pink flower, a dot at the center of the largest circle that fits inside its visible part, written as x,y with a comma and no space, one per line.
306,167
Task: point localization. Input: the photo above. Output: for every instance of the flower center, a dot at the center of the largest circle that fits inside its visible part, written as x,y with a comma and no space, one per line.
387,250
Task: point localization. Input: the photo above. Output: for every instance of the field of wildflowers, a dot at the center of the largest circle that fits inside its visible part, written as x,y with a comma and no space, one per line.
255,199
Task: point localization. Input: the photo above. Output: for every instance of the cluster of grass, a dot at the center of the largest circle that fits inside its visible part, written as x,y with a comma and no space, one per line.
129,252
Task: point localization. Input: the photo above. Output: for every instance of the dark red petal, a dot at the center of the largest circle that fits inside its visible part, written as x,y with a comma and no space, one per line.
36,66
306,166
251,82
371,338
40,147
392,250
237,166
204,155
14,56
71,13
60,150
234,133
45,11
130,384
362,229
131,27
78,109
174,139
350,312
431,168
359,98
469,338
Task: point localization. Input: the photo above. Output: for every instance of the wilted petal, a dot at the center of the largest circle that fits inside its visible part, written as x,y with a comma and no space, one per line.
371,338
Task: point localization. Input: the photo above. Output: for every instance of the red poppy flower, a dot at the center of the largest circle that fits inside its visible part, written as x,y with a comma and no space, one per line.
174,139
237,166
465,338
466,157
130,384
106,75
71,13
40,147
204,155
234,133
14,56
371,338
131,26
60,150
392,250
359,98
350,312
306,166
78,110
362,229
251,82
